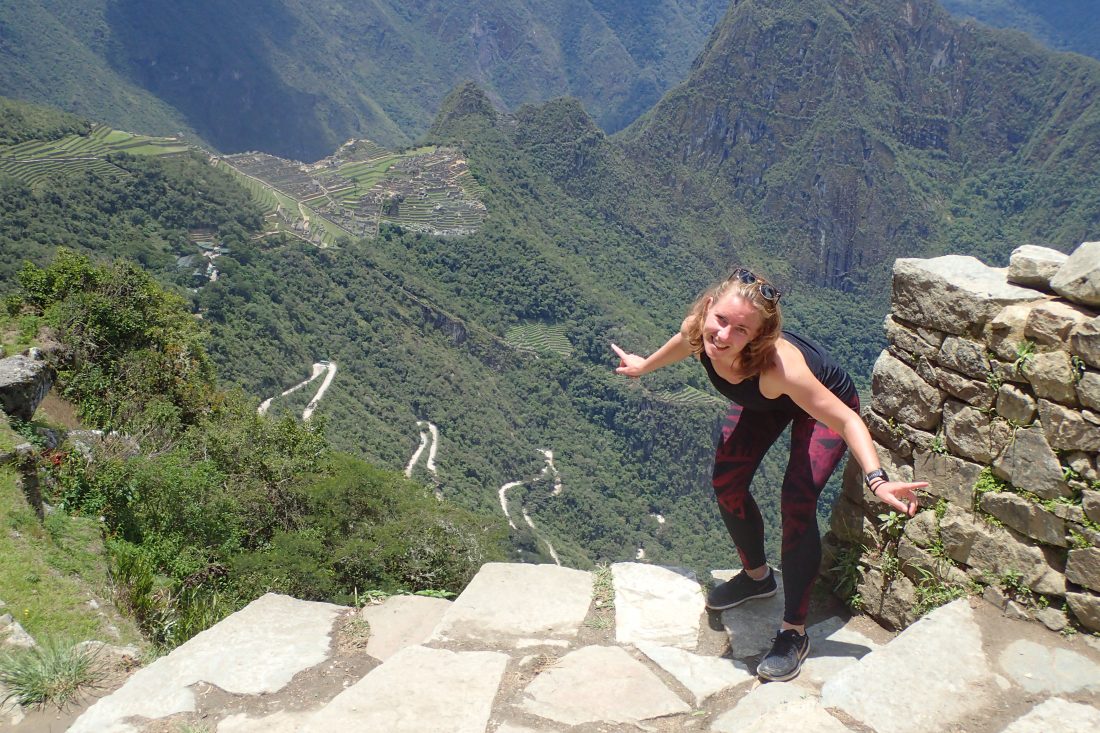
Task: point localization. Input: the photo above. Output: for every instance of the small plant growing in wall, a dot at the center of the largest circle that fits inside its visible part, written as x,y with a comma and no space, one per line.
846,571
892,524
933,592
1024,353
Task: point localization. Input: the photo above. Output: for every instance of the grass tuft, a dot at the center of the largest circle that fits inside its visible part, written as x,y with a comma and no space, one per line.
52,673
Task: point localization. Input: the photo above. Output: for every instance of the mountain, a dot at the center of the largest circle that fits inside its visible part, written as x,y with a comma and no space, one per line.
854,133
816,140
1066,25
297,79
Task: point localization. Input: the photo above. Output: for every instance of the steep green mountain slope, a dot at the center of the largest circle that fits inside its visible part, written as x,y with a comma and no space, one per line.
792,147
1066,25
297,79
854,133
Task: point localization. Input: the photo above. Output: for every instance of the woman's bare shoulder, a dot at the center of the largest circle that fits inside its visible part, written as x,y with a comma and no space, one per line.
786,365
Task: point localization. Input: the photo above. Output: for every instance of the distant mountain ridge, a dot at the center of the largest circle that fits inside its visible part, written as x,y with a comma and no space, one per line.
297,79
1065,25
856,132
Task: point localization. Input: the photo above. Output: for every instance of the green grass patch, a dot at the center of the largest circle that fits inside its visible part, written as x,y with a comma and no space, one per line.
52,569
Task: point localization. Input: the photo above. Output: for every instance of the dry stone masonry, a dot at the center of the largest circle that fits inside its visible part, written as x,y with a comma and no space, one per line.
989,390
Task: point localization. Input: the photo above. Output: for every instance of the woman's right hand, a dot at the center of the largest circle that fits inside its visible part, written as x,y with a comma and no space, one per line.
630,365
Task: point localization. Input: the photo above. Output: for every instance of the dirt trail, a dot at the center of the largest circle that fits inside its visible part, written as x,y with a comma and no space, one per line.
319,368
556,491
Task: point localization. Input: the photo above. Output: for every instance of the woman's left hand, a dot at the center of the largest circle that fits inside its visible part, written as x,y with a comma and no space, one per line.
900,495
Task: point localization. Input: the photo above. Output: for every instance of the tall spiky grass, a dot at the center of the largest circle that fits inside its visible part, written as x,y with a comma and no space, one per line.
52,673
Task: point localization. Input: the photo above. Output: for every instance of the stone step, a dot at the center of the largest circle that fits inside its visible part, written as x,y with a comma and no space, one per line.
525,648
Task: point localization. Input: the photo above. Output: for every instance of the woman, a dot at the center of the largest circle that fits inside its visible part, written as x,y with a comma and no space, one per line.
774,378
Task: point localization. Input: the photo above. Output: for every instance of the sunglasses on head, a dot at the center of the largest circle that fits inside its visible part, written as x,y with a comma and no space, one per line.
767,292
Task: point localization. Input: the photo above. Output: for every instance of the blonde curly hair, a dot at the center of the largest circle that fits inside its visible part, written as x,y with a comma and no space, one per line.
757,353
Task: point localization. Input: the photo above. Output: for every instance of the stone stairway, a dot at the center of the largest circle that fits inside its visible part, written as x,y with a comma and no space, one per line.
540,648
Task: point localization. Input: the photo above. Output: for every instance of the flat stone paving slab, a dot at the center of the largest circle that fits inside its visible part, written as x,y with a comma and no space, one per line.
256,650
702,676
600,684
938,658
833,646
759,702
1058,715
400,622
1037,668
418,689
510,601
752,626
804,716
657,605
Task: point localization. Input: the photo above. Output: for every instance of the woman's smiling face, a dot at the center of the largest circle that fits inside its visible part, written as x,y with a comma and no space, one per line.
731,323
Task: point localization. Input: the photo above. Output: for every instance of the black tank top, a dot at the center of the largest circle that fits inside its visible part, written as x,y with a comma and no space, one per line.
747,392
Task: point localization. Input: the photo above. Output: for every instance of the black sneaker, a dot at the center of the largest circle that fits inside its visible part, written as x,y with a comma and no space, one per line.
738,589
784,660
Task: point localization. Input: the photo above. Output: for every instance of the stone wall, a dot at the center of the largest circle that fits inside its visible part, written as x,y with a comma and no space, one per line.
989,390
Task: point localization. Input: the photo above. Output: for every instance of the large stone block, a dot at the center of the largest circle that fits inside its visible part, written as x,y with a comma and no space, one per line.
1027,462
964,356
922,529
1083,567
1033,267
849,524
1052,377
1086,607
968,432
971,391
1025,517
1051,323
1005,332
1084,341
1068,429
948,477
1090,503
24,383
898,393
1015,405
954,294
892,601
913,340
997,551
1088,390
917,564
1078,279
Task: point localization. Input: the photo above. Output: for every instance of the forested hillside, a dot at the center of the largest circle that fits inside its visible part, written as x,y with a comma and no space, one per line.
855,133
791,148
1065,25
299,78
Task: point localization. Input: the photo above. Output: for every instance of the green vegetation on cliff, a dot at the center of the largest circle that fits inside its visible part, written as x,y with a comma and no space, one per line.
206,504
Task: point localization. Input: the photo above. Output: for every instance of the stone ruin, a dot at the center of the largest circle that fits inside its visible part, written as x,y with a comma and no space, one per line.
989,389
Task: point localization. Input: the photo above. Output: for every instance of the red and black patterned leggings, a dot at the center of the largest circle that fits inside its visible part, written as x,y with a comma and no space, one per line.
815,453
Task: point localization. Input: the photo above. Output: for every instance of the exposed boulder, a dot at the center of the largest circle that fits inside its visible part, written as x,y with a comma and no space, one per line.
25,380
1079,278
956,294
1034,266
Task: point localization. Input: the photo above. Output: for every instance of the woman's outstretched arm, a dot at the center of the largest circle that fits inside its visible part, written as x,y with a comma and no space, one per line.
631,365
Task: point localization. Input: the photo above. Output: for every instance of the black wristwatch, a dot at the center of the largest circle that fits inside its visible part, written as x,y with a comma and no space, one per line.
871,476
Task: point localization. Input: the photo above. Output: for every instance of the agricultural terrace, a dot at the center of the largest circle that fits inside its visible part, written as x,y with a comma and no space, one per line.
361,185
35,160
539,338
